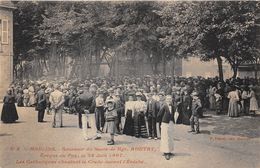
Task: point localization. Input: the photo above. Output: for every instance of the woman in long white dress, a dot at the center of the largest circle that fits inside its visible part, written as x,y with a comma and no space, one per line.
166,114
253,102
233,103
212,99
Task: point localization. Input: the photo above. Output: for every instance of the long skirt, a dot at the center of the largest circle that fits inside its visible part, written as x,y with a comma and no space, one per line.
9,113
129,124
140,126
180,117
32,99
167,145
212,102
225,105
186,116
233,110
253,104
219,106
20,100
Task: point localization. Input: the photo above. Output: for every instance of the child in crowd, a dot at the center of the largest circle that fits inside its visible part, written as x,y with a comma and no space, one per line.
110,117
196,106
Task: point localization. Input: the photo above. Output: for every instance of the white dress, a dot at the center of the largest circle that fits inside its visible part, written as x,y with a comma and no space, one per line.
167,131
253,102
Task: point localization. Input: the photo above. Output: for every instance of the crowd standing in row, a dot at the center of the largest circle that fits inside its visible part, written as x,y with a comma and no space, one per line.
142,107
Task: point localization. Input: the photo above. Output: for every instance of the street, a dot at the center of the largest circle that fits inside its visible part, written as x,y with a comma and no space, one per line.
223,142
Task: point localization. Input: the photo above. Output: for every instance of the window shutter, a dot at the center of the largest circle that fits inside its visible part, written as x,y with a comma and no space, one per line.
4,31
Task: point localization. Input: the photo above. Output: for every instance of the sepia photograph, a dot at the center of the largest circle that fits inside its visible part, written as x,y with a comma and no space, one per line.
129,84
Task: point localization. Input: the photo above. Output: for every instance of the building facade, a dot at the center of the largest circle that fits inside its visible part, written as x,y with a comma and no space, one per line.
6,46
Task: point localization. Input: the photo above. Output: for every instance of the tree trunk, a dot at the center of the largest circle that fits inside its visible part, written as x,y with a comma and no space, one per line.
164,66
256,70
234,68
172,70
220,68
156,68
117,68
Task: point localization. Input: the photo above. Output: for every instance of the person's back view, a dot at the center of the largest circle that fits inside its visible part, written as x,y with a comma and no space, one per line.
57,101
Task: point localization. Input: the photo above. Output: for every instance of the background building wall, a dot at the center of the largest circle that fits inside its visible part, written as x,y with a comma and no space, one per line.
6,53
194,67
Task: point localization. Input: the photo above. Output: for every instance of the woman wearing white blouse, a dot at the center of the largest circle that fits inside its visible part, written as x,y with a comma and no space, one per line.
253,102
233,103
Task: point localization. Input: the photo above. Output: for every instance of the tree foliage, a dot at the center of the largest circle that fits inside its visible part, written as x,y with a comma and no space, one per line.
90,33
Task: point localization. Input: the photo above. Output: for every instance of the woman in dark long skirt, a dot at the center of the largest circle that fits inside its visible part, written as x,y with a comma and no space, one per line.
186,108
178,107
128,127
9,112
140,106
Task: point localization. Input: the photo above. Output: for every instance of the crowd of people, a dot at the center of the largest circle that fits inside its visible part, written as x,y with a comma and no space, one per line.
146,107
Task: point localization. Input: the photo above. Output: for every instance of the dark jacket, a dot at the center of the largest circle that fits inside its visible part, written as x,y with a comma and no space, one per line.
41,100
165,115
196,106
187,103
84,102
152,109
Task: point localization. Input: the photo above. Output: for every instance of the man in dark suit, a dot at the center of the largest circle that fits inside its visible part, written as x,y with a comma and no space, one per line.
41,103
151,114
83,104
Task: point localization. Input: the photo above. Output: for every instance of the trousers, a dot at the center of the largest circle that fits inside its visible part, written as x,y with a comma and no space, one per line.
194,120
41,115
57,118
152,127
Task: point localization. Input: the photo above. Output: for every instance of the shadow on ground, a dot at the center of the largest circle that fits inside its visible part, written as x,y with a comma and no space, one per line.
5,134
246,126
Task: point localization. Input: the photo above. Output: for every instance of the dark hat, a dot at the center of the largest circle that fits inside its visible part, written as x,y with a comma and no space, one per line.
80,91
42,86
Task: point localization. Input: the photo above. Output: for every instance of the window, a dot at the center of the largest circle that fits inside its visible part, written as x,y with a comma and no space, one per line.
4,36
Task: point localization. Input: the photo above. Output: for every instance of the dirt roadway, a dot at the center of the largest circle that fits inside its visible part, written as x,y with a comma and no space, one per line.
224,142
